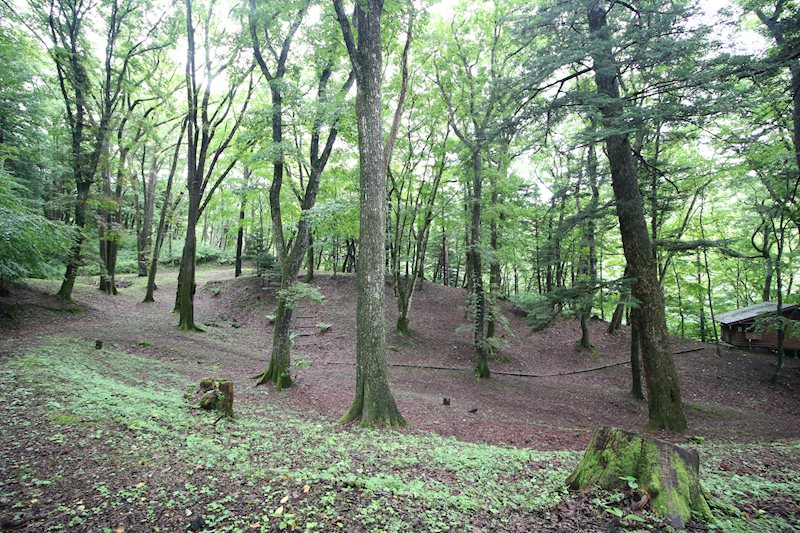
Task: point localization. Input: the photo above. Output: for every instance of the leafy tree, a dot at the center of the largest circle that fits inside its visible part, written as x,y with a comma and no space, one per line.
28,241
210,130
292,252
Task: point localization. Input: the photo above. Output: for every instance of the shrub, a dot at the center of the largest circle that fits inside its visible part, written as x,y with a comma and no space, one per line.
265,261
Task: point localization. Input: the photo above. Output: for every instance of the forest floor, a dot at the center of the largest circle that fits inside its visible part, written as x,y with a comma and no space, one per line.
104,440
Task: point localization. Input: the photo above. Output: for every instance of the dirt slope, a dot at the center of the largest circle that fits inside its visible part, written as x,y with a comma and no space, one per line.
728,396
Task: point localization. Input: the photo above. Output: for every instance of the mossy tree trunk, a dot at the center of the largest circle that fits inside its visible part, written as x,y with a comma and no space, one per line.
667,475
186,284
108,219
373,403
83,186
495,269
477,294
280,358
663,392
291,253
145,239
636,371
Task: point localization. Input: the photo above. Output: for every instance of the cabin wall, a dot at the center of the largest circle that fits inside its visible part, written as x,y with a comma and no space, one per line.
738,335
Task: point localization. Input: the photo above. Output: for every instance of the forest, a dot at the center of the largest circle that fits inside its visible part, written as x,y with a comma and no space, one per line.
399,265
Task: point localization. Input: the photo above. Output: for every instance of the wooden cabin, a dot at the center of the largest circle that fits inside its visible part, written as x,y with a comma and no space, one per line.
738,327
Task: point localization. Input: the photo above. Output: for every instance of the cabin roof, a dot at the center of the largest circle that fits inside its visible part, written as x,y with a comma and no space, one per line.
752,311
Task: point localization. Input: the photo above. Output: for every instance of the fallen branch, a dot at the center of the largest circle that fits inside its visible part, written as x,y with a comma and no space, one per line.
8,524
526,375
497,372
689,350
515,374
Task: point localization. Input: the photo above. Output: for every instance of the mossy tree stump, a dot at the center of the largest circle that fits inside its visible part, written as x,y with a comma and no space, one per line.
216,395
666,474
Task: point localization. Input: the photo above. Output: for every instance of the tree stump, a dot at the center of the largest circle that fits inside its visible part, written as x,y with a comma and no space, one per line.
666,474
216,395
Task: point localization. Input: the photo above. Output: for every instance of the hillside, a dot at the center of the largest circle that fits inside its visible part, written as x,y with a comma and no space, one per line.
727,397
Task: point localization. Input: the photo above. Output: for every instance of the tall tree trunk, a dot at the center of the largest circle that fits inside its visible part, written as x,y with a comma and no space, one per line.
406,285
310,259
373,403
663,392
445,260
619,310
477,296
74,260
636,372
107,235
240,231
591,254
700,300
186,282
767,290
149,193
291,254
494,268
162,221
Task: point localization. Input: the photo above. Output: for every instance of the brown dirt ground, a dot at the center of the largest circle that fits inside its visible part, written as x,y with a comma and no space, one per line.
727,397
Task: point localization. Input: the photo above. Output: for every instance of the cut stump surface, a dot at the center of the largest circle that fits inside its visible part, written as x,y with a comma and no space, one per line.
216,395
667,474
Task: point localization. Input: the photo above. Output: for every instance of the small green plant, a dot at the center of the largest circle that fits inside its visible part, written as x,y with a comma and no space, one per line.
298,291
265,261
302,363
324,326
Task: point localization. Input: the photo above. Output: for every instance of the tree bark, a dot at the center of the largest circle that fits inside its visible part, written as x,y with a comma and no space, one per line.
202,159
373,403
591,247
636,372
74,260
494,240
162,220
149,193
619,310
291,254
477,296
240,231
310,259
663,391
186,283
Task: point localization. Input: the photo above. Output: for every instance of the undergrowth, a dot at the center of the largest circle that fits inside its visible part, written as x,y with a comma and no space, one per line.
276,469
